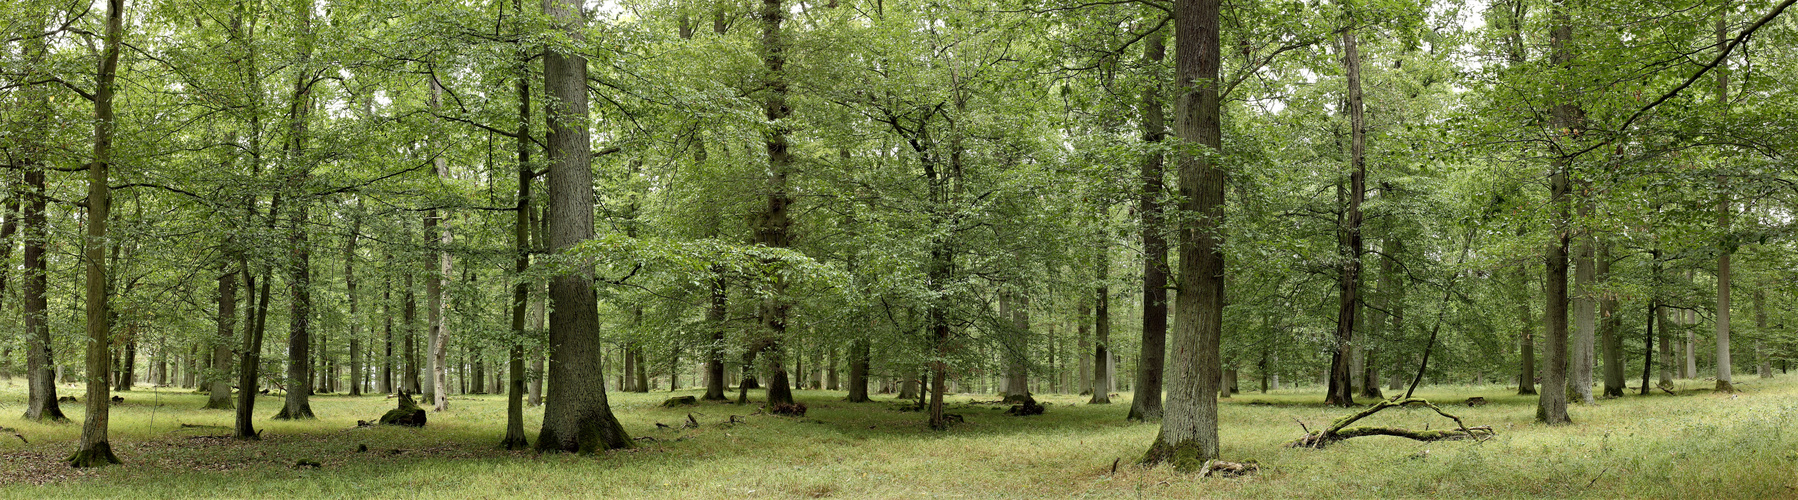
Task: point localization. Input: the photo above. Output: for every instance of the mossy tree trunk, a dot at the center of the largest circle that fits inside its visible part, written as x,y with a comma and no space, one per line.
96,449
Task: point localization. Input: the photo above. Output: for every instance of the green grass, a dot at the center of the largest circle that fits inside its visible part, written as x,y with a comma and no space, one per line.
1695,445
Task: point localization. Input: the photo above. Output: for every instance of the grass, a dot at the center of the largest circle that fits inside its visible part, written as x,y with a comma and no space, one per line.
1696,444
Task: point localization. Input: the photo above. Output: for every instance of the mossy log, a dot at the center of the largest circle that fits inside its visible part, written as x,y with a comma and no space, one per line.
679,401
1340,430
407,414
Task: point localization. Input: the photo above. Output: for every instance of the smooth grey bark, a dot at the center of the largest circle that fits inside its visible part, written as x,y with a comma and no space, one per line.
1585,316
219,386
1188,436
1609,326
1724,215
576,417
436,304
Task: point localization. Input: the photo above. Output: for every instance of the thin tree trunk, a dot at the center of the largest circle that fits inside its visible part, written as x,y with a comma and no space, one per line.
1349,242
1724,213
715,317
1551,405
1102,328
1610,323
577,417
349,286
1760,329
437,308
1188,436
521,259
95,449
299,264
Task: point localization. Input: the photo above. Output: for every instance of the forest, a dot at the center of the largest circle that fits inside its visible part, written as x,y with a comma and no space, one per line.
1552,240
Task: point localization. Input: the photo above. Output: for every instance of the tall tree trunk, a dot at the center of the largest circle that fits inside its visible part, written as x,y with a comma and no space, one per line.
1349,242
349,287
1724,212
299,263
1388,321
1188,436
1146,404
1102,328
40,361
95,449
387,333
1610,323
1017,371
577,417
437,307
521,258
539,323
1551,405
773,229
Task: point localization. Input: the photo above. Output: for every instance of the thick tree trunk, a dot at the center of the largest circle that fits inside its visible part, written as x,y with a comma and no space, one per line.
774,227
858,371
1146,405
1349,242
1188,436
95,449
576,417
1017,364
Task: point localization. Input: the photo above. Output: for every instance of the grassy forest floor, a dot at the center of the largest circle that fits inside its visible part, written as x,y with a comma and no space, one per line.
1696,445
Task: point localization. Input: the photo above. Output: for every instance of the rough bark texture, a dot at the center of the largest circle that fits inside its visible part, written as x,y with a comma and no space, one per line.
299,265
219,390
1724,212
40,361
1348,233
774,230
1188,435
576,417
1146,404
95,449
1551,405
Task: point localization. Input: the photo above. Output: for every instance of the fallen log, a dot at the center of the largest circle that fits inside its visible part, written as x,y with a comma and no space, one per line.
1340,430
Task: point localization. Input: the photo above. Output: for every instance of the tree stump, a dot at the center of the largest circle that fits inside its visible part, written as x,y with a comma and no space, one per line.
407,414
680,401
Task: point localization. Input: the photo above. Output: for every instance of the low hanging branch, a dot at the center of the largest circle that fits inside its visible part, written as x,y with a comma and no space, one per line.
1340,430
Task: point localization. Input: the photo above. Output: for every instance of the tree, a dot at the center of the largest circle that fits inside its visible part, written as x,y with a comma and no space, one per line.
95,449
1188,434
577,417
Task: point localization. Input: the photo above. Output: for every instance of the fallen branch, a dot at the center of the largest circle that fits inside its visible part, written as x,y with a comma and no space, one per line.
1340,430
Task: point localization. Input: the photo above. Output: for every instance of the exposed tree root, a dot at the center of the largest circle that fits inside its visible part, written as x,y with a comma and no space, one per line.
1340,430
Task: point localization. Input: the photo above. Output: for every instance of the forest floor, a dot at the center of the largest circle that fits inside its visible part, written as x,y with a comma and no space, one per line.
1694,445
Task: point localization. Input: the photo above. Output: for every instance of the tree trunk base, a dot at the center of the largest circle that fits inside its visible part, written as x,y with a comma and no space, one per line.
98,455
514,443
1141,414
1725,387
1184,457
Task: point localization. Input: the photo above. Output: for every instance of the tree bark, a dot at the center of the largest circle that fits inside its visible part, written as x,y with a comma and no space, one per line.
1146,404
1349,242
715,316
858,371
1585,315
521,255
1760,329
1188,436
436,305
1610,323
219,392
1101,328
95,449
576,417
40,360
1551,405
349,287
1724,213
774,228
299,264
